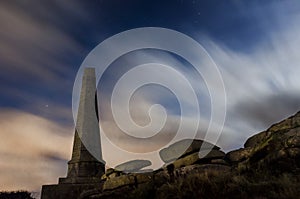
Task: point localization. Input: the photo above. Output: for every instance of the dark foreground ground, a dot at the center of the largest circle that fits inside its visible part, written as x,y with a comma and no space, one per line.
16,195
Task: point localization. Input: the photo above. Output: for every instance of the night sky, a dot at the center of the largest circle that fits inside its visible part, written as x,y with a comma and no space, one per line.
255,45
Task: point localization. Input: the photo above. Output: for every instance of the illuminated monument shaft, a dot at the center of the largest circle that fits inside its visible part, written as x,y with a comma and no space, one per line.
84,168
87,133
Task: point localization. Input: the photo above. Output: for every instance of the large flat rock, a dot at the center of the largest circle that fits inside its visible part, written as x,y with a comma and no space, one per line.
183,148
194,158
133,165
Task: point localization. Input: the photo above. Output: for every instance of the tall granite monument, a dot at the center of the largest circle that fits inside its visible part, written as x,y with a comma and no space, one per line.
84,168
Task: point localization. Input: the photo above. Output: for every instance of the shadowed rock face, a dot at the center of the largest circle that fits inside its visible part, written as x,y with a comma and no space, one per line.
287,127
183,148
277,148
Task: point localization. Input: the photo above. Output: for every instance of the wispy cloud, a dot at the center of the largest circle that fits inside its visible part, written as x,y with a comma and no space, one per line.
31,46
37,54
32,153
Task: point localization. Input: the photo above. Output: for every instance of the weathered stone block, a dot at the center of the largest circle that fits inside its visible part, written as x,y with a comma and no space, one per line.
239,155
121,181
143,177
293,142
204,168
194,158
294,152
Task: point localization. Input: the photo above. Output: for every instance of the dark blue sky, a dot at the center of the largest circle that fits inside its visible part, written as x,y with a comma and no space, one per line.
232,23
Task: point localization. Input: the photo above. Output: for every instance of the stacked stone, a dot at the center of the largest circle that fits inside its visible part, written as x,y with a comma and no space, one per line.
177,156
133,166
129,173
186,152
183,157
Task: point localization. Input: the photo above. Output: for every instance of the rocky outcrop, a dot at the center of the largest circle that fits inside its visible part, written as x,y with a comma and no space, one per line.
182,159
277,148
267,167
177,159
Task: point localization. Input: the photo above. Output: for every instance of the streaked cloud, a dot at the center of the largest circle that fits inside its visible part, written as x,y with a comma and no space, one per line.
29,46
262,84
33,150
37,56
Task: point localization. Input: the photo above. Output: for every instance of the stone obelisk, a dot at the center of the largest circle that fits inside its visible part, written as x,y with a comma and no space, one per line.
86,159
86,165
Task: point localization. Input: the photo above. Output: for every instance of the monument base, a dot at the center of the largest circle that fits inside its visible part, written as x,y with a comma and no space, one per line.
68,190
79,180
